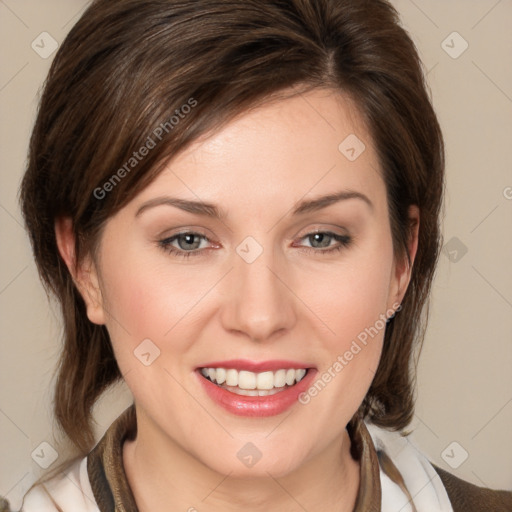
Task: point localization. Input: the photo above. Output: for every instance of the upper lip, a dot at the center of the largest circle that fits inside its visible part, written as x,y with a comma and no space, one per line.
257,366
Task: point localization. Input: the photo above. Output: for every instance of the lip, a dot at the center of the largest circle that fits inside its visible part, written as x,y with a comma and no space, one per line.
256,406
256,366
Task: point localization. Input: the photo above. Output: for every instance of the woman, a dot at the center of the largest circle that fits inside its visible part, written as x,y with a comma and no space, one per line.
293,145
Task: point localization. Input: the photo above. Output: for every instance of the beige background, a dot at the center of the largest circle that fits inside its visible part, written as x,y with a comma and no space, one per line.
465,377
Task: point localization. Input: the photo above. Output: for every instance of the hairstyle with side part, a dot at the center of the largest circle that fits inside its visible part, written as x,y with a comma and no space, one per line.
133,73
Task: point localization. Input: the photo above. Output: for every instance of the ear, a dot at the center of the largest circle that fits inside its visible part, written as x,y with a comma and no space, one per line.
84,274
402,269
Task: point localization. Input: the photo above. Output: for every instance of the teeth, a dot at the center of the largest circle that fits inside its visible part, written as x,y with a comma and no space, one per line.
231,378
254,384
265,380
253,392
220,376
280,379
247,380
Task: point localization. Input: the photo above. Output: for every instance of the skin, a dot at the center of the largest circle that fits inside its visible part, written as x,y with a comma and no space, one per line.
287,304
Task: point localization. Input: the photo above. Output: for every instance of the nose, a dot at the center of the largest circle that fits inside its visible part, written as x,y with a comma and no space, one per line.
261,304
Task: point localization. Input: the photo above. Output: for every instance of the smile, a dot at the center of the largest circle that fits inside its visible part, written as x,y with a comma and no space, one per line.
248,383
255,389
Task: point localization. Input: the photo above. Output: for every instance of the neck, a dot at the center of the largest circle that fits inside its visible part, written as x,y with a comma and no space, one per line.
163,476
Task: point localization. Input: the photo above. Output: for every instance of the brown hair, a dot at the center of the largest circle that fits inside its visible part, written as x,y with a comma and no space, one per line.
128,66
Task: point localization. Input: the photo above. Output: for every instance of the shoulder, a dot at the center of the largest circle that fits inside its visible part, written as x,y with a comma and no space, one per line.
70,491
404,466
467,497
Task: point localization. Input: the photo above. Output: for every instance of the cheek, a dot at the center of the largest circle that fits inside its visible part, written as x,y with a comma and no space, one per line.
147,298
136,300
352,308
352,299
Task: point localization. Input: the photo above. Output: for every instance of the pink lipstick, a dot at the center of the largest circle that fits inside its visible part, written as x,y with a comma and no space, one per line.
255,389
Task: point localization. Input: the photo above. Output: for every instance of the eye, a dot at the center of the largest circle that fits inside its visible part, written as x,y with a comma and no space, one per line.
320,239
186,240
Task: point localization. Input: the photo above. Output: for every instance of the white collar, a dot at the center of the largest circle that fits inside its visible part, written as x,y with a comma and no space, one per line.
420,477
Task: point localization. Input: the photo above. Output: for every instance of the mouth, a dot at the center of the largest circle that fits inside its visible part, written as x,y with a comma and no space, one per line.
247,388
247,383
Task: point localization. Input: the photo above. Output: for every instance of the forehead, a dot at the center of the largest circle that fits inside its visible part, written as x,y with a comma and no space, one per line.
305,145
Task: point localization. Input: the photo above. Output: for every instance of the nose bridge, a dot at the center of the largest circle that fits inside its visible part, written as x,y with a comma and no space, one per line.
260,302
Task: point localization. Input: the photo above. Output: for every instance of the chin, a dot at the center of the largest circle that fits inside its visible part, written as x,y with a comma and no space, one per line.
255,459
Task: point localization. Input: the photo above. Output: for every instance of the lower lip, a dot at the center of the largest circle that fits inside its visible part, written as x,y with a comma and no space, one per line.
258,406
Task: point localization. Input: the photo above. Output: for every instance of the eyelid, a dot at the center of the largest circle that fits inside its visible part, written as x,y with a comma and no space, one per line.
181,230
324,228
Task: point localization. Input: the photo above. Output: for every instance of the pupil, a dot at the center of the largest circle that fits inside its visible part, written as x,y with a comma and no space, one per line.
189,239
318,237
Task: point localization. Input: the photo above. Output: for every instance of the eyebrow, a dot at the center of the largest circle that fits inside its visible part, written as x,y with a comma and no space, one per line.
211,210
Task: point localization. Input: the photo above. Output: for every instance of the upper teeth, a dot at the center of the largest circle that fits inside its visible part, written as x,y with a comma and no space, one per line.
249,380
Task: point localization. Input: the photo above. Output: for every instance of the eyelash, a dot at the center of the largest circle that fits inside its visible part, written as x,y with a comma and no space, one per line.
344,241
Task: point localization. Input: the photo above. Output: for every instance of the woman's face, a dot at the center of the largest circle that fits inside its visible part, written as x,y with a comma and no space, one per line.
254,291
